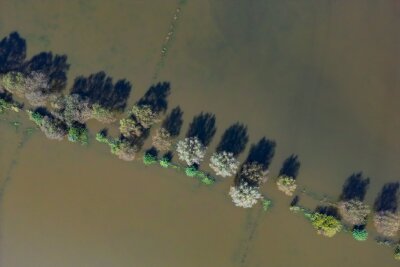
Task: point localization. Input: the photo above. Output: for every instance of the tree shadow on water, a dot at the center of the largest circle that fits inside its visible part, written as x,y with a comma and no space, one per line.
152,151
98,88
355,187
203,126
290,167
173,122
387,199
234,139
328,210
12,52
156,97
262,152
55,67
295,201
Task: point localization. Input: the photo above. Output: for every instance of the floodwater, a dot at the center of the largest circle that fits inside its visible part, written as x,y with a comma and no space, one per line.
321,78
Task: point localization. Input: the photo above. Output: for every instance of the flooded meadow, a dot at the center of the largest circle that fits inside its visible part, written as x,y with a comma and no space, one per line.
318,78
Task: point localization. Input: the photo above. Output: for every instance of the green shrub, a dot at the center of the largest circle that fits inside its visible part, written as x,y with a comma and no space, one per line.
36,117
205,178
266,204
102,138
191,171
360,234
325,224
115,145
397,252
208,180
165,162
8,105
78,134
149,159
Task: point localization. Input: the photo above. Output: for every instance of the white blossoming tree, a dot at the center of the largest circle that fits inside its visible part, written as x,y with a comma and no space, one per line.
244,195
191,150
224,164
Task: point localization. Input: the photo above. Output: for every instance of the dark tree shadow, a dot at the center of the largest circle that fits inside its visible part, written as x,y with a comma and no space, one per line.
152,151
234,139
328,210
139,140
168,155
12,52
355,187
295,201
98,88
290,167
203,126
55,67
6,96
262,152
387,199
359,227
173,122
104,131
156,97
44,112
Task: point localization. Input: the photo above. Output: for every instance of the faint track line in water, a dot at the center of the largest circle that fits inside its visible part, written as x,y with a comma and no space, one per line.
168,39
7,177
252,222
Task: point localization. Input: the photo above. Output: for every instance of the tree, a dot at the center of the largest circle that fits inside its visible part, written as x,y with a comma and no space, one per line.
123,148
191,150
34,87
387,223
73,108
244,195
129,127
354,211
325,224
162,140
102,114
286,184
53,128
254,173
13,82
37,88
144,115
78,134
224,163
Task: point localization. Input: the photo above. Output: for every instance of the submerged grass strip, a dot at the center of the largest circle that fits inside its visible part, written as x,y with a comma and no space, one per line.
190,171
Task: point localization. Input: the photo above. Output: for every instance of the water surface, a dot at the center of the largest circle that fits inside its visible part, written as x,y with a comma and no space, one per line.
318,77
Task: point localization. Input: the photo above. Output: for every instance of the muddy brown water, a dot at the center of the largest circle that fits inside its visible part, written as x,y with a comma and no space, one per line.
321,78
